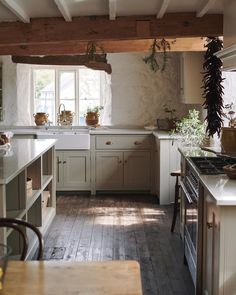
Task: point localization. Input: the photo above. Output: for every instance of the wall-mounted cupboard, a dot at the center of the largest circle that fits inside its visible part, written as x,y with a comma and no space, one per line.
191,74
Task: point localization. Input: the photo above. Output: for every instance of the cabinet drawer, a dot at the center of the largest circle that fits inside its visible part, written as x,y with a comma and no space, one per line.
113,142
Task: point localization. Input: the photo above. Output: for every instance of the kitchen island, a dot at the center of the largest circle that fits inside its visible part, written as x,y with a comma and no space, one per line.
208,218
27,173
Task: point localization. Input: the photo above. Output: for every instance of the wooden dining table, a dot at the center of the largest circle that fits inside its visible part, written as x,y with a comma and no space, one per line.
72,278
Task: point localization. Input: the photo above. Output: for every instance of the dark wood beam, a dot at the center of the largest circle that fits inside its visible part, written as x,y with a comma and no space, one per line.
73,47
100,28
99,62
71,60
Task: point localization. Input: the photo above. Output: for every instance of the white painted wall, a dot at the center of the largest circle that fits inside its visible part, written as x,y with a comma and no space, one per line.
138,94
16,93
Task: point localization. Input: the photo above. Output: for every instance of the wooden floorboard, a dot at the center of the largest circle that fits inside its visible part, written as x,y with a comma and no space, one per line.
118,227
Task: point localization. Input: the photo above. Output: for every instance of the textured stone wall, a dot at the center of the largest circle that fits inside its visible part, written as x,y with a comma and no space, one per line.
9,92
139,94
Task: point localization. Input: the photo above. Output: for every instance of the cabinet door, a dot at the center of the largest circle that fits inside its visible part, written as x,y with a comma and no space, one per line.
59,169
76,167
109,170
137,170
211,248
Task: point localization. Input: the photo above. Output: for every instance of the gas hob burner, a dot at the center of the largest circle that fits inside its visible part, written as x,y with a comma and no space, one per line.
211,165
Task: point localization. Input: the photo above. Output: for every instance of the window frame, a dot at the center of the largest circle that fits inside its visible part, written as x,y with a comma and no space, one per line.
57,70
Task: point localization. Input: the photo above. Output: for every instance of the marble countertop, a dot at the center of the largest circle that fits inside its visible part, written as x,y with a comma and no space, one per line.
21,153
33,130
222,188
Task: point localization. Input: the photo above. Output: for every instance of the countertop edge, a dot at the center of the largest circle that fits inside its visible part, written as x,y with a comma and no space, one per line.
213,183
51,143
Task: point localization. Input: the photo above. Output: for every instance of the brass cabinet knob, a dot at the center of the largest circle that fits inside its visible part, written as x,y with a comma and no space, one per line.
108,143
59,162
137,143
209,225
64,162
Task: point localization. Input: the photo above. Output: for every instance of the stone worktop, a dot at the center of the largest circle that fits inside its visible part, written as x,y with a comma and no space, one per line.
20,154
222,188
33,130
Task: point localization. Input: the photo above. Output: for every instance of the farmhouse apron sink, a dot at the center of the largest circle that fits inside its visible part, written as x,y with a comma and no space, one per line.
68,140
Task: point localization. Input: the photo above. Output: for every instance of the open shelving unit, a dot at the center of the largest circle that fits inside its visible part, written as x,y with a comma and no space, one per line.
18,202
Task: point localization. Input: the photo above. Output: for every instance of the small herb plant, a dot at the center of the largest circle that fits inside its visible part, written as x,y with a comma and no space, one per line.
191,130
95,109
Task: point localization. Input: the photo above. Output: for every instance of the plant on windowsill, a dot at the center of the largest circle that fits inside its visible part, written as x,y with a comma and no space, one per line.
92,115
191,130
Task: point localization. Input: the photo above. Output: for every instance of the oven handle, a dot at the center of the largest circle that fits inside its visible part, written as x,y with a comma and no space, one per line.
186,192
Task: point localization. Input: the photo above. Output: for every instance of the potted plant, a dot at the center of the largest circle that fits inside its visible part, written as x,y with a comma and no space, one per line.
228,134
191,129
92,115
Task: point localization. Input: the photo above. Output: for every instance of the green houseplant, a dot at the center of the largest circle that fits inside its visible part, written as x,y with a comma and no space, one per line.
92,115
191,130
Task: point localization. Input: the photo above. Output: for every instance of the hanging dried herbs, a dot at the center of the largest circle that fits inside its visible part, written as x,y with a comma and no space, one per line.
212,85
152,59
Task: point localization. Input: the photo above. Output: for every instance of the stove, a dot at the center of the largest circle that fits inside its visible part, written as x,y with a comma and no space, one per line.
211,165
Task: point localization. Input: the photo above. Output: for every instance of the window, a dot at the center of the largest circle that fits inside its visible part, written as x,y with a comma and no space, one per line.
77,89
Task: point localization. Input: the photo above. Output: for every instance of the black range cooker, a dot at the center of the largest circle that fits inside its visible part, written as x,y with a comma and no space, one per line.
190,193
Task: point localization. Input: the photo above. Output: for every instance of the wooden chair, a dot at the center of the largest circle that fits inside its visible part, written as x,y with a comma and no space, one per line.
176,202
17,225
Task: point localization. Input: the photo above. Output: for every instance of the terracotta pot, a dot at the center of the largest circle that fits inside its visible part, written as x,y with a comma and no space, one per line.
228,140
40,118
92,118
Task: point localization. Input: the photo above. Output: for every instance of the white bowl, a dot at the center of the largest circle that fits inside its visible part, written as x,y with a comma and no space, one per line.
150,127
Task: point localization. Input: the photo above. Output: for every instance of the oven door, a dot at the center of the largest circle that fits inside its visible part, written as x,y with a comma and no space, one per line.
190,228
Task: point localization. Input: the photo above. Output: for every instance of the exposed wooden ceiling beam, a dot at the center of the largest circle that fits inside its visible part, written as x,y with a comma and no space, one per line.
61,4
205,6
56,30
16,9
99,62
163,8
112,9
66,48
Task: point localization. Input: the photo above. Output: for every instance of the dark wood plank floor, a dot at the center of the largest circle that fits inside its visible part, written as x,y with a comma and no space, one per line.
121,227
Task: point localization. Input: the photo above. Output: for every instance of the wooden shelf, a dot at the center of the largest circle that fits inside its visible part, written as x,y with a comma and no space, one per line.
32,198
48,214
46,180
16,213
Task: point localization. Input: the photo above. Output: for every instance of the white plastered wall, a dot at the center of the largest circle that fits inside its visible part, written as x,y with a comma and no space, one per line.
138,94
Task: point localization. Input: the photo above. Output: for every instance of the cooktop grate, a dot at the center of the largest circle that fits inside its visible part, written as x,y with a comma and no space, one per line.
211,165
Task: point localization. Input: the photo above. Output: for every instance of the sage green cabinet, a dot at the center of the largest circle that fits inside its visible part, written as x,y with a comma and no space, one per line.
123,170
73,170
